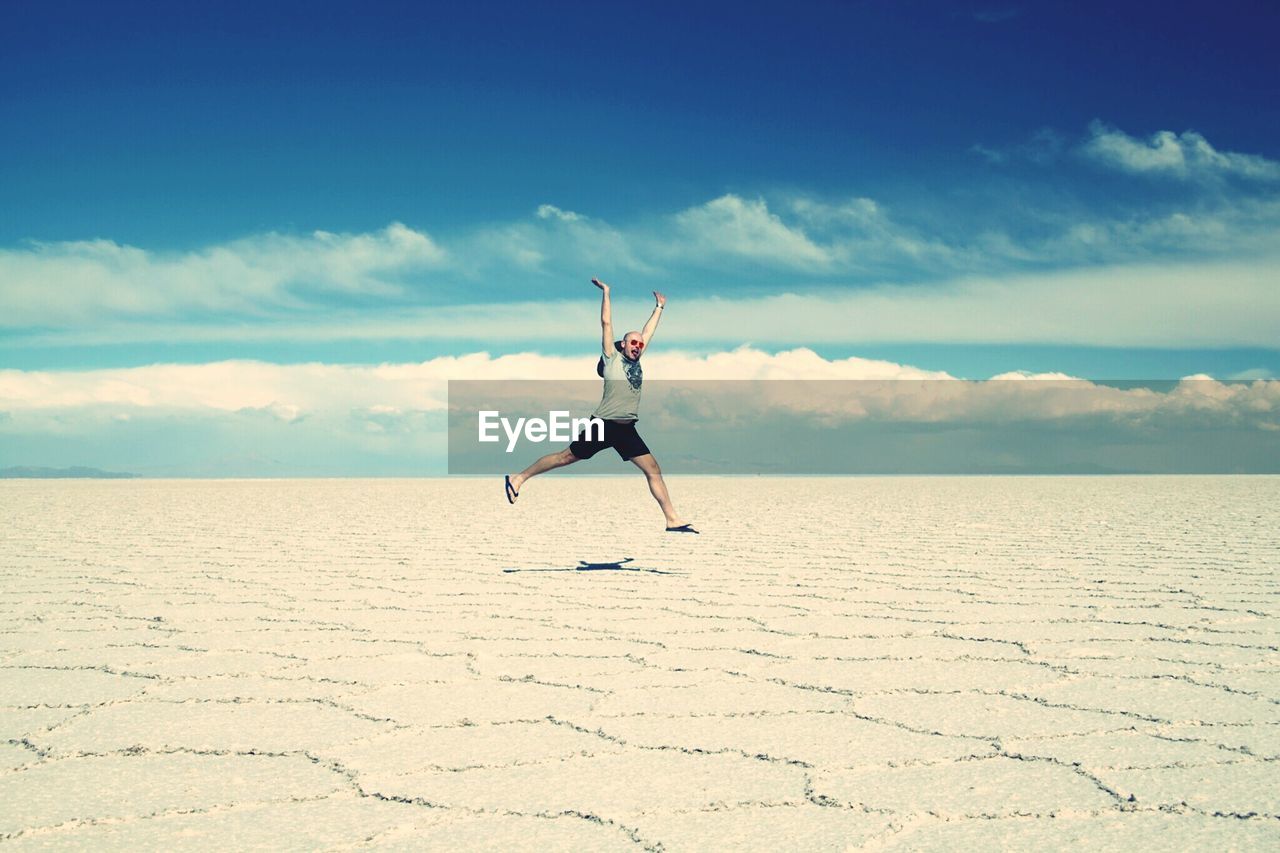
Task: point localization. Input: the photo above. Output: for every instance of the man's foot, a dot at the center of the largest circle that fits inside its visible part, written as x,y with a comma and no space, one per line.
512,494
682,528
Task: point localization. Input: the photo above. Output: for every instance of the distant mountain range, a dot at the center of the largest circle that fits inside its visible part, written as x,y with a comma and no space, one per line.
29,473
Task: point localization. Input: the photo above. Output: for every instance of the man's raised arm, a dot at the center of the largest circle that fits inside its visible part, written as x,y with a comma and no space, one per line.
606,318
651,325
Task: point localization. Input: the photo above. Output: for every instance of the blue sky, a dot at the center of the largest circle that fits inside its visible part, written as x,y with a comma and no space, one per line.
164,126
966,188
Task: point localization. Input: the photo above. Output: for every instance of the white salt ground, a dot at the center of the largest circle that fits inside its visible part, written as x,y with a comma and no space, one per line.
914,663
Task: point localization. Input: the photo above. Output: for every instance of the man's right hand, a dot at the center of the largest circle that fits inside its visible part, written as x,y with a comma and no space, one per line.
600,284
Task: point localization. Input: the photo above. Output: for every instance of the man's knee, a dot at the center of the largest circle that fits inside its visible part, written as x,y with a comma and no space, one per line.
567,457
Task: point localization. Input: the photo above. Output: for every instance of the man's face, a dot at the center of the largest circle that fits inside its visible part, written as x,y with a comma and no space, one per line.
632,346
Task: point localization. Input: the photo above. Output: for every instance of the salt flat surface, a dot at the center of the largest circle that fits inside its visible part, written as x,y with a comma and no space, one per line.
916,663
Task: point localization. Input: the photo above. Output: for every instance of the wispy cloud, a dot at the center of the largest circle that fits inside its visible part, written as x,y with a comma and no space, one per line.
861,235
843,270
385,395
1186,156
1203,304
248,418
551,240
289,392
54,284
1242,228
745,228
89,283
1044,146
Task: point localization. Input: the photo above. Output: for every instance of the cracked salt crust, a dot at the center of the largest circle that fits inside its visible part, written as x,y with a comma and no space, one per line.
877,676
814,738
121,786
629,784
1107,832
1259,741
475,700
240,725
713,695
334,821
379,668
764,828
1245,787
835,664
460,748
996,786
37,685
1122,750
984,714
1164,698
13,755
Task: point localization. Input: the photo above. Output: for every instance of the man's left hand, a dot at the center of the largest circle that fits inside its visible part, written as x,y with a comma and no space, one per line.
662,300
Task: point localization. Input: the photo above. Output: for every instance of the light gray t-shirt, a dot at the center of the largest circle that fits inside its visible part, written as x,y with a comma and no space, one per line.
622,378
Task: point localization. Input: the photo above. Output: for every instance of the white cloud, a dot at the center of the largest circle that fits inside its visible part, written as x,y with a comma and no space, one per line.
745,228
1187,155
68,283
1044,146
1185,235
1254,373
860,234
1197,402
1158,305
550,211
797,237
284,287
288,413
553,238
394,397
994,156
747,362
288,392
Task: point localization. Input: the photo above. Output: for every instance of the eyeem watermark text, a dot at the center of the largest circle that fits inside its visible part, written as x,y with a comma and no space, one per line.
558,427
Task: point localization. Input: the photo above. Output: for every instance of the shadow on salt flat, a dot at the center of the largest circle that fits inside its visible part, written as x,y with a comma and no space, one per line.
584,566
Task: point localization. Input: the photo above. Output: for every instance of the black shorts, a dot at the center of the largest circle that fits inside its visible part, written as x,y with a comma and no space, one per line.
620,435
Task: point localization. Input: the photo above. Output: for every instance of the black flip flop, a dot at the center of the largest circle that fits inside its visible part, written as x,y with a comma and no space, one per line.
512,494
684,528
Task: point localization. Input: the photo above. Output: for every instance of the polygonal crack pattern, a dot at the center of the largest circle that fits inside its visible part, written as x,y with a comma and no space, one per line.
914,663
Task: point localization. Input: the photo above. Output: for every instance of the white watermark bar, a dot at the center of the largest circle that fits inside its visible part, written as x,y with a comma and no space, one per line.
1024,426
558,426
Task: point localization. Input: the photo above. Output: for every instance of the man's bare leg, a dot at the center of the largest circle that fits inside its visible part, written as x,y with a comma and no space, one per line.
658,487
541,466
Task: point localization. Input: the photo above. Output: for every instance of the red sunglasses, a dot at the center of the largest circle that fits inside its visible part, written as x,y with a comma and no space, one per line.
636,344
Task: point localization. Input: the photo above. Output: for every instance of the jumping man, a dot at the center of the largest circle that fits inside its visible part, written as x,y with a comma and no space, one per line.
619,409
